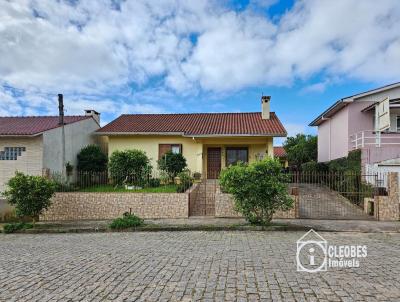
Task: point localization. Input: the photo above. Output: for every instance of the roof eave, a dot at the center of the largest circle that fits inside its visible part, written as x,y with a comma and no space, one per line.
111,133
237,135
21,135
328,113
190,135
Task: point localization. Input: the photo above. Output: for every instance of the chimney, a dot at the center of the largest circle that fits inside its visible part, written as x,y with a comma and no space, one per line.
60,109
94,114
265,107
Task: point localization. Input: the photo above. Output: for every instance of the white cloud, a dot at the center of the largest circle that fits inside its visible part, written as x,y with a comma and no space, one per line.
100,50
315,88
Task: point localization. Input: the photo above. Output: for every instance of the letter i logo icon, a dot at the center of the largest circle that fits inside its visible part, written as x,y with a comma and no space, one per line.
312,258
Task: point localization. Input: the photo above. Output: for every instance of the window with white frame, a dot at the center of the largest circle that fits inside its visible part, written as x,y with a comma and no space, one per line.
11,153
398,123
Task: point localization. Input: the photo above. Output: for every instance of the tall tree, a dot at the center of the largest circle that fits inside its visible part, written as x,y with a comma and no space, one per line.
301,149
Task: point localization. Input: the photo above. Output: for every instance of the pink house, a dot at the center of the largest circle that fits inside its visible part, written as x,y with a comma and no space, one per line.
349,124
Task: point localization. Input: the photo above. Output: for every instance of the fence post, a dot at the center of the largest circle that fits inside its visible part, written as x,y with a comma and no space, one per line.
388,206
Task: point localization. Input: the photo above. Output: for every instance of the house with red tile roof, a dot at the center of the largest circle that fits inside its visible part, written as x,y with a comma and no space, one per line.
280,153
208,141
43,144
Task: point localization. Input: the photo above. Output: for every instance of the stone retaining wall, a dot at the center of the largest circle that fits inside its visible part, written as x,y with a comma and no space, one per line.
224,207
80,205
386,208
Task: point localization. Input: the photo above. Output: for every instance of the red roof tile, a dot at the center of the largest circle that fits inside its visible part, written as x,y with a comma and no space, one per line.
30,125
197,124
279,152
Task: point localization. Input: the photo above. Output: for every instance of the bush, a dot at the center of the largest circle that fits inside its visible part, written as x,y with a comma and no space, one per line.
92,159
172,163
130,166
313,166
127,221
352,162
154,182
301,149
29,194
13,227
185,181
259,189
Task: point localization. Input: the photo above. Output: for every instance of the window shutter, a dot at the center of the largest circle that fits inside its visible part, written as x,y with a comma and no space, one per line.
162,149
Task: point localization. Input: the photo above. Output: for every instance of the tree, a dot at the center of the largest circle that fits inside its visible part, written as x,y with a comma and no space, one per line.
92,159
172,163
259,189
30,195
129,166
301,149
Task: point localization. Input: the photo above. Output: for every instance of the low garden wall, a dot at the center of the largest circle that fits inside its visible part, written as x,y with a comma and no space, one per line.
224,207
80,205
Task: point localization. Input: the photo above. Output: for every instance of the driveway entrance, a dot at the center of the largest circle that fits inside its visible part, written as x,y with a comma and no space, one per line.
333,195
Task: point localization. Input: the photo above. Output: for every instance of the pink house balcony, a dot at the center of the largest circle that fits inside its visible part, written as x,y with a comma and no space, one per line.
376,146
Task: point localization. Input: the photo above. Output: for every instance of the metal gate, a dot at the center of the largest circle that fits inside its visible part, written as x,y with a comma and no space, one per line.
334,195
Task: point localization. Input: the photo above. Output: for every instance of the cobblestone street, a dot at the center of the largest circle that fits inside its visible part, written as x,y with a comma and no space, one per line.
188,266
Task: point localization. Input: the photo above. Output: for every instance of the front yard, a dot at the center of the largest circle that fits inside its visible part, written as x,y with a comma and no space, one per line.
171,188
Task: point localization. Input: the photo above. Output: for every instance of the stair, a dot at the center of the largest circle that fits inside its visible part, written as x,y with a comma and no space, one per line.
203,202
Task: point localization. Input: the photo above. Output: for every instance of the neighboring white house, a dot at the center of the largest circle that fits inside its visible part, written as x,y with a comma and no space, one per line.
34,144
349,124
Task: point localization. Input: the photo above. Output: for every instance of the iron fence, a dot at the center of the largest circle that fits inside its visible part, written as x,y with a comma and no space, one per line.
353,186
337,195
155,181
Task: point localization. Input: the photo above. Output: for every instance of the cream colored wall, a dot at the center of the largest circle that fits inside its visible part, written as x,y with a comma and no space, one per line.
30,161
194,150
256,145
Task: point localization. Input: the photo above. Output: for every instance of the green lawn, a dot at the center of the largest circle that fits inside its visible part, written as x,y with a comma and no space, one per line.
110,188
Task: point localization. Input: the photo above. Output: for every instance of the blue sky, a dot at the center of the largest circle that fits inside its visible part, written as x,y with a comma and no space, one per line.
194,56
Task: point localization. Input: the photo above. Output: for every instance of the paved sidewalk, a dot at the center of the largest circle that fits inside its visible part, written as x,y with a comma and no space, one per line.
190,266
208,223
365,226
368,226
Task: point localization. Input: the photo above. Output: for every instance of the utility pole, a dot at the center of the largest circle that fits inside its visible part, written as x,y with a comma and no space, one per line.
61,123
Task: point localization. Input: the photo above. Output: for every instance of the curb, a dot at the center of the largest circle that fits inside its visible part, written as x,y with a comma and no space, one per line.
167,228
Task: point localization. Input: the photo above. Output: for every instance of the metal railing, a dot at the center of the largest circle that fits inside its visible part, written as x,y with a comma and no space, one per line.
351,185
367,138
156,181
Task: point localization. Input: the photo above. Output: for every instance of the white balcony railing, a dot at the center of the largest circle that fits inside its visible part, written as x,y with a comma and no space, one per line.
368,138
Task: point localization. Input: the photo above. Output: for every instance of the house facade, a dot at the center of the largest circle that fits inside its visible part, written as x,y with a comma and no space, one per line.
38,145
349,124
280,153
208,141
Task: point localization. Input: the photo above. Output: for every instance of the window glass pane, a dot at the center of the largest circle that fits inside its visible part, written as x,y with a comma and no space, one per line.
230,157
398,123
233,155
176,149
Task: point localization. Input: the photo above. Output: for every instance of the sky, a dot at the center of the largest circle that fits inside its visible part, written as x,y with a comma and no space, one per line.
171,56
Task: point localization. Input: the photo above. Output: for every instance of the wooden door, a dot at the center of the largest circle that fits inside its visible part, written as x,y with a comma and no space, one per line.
213,162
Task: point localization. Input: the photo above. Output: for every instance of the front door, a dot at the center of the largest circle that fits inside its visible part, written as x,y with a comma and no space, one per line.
213,162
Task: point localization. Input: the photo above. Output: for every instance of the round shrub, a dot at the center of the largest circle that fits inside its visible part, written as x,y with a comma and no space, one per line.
30,195
259,189
172,163
92,159
129,166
